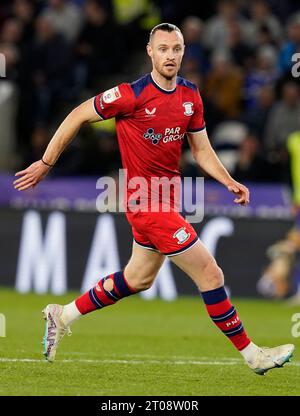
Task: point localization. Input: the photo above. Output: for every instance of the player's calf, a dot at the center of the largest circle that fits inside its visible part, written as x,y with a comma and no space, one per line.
107,291
225,316
212,276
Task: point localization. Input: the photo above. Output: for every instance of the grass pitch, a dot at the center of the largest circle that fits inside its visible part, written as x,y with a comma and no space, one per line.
142,347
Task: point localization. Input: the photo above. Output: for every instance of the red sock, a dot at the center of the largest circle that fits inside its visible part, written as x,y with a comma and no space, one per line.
98,297
225,317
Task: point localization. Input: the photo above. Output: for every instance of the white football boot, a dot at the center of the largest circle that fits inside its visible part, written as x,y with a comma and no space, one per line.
268,358
55,330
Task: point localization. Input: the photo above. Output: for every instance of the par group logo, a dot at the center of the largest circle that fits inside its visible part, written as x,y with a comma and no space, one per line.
150,134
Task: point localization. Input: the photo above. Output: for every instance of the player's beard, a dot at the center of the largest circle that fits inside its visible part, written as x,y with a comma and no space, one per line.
168,75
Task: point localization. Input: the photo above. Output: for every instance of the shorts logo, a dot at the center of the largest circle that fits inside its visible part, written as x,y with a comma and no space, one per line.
188,110
181,235
111,95
150,134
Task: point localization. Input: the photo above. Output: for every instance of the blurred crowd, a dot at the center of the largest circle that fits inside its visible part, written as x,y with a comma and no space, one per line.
240,54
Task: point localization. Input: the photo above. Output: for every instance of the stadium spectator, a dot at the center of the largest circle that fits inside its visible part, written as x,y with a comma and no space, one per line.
261,16
50,63
282,121
216,29
290,46
195,58
223,84
251,165
264,73
65,17
265,38
11,32
284,117
95,57
24,11
256,117
240,51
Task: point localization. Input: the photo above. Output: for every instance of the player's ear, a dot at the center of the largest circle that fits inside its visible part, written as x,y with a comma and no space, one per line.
149,50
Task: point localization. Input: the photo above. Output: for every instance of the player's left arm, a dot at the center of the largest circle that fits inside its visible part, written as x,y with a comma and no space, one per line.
209,162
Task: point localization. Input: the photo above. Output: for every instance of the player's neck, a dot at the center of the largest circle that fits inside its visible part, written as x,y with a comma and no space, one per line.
162,82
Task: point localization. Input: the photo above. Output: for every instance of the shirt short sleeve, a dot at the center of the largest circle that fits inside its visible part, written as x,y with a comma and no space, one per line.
197,122
115,102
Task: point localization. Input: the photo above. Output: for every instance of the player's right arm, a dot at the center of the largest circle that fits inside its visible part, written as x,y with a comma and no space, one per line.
32,175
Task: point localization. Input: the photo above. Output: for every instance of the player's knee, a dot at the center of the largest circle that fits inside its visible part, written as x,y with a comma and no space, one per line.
213,274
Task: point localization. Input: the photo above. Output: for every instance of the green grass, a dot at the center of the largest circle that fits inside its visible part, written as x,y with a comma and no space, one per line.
142,348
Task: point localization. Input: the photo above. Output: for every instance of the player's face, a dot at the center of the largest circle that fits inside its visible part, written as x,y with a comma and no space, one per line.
166,51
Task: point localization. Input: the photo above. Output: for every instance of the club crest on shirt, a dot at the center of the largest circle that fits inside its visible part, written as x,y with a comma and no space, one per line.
188,108
181,235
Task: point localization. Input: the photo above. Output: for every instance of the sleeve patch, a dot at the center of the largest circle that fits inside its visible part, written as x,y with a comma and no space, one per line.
111,95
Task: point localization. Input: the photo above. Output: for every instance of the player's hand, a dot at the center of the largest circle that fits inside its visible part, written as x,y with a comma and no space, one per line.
31,176
241,191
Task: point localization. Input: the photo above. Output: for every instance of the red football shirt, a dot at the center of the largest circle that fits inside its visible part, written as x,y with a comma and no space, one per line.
151,124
